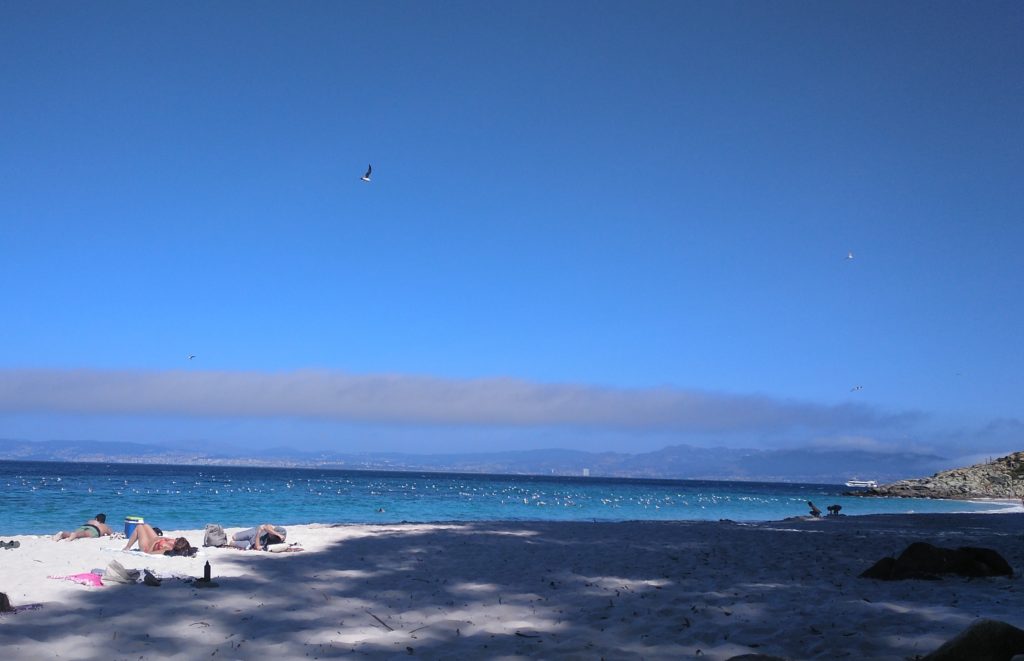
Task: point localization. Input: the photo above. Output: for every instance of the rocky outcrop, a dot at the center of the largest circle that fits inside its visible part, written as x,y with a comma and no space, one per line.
984,640
1000,478
921,560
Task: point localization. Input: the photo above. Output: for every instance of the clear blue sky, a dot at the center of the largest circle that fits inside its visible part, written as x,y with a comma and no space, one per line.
606,226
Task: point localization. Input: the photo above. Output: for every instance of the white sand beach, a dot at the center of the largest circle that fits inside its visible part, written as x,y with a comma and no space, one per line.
652,590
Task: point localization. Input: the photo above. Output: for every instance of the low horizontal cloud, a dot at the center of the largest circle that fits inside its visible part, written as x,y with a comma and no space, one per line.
403,399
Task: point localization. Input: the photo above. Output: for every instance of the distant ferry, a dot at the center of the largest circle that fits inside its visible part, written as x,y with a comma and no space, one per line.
869,484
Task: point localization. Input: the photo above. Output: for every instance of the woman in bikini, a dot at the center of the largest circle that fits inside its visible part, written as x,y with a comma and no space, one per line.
150,542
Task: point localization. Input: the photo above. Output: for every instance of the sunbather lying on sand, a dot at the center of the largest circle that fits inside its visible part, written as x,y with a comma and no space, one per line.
150,542
92,528
259,538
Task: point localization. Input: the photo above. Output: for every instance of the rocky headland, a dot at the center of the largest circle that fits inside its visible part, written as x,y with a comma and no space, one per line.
999,478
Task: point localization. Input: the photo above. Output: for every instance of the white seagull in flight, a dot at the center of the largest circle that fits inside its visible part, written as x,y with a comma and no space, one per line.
849,255
366,177
856,388
191,356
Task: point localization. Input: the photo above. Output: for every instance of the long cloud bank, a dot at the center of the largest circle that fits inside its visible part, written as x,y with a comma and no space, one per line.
415,400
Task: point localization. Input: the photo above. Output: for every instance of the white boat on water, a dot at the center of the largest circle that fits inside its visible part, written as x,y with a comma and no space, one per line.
869,484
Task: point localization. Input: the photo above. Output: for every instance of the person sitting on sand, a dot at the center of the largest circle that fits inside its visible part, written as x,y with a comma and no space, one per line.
150,542
259,538
92,528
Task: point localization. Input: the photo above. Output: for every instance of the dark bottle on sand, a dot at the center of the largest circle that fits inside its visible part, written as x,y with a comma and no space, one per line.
206,571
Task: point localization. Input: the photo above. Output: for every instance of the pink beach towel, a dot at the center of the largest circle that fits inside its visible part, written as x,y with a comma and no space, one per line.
84,579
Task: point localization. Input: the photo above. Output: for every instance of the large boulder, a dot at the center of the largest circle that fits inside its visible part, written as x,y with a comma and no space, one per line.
921,560
985,640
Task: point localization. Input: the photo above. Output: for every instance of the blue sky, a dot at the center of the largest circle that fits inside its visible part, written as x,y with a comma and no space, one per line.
604,226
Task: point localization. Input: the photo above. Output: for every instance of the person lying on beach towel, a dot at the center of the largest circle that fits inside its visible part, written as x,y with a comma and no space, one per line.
92,528
259,538
150,542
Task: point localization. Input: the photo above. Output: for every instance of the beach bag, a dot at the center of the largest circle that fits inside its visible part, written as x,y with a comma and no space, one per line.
215,535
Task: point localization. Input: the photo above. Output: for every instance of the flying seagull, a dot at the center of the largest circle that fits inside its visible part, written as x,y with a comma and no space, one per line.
849,255
856,388
366,177
191,356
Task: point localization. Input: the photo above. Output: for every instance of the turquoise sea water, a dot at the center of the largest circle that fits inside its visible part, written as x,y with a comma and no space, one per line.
43,497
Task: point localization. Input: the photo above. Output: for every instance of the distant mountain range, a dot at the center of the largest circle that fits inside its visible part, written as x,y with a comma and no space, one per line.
813,465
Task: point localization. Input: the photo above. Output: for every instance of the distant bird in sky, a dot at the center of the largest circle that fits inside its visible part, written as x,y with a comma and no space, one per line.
849,255
191,356
856,388
366,177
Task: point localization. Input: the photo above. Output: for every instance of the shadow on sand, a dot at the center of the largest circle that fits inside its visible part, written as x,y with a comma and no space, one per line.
487,590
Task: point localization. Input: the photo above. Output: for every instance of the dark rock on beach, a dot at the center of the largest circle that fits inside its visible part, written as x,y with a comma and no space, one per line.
985,640
999,478
924,561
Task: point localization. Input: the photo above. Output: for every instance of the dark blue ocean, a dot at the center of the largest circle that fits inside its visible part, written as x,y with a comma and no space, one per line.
43,497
